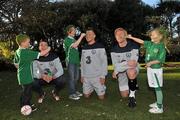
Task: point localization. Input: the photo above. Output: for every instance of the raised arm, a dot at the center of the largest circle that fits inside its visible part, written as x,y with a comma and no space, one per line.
140,41
76,44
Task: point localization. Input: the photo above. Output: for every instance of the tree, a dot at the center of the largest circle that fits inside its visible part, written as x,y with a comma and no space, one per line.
168,11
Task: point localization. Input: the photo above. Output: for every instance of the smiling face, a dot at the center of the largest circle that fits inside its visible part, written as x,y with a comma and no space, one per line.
90,36
155,36
43,46
120,35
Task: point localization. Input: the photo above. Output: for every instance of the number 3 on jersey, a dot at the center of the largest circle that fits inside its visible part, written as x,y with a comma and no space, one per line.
88,60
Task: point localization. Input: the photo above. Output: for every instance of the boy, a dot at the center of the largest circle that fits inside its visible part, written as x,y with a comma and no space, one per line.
124,57
72,60
93,66
23,61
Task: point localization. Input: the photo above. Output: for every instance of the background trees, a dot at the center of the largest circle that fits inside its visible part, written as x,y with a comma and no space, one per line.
45,19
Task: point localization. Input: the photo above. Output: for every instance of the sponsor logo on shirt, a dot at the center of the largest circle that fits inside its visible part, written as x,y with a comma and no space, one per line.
155,50
128,55
93,51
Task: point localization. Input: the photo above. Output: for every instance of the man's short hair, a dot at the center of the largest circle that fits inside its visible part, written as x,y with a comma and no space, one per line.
91,29
120,29
43,40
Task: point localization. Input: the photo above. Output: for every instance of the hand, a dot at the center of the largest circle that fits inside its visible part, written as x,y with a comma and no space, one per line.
47,78
44,77
45,52
102,81
83,35
17,66
148,64
132,63
82,79
114,75
129,36
49,48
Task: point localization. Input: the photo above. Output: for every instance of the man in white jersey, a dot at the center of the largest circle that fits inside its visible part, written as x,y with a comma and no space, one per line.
93,66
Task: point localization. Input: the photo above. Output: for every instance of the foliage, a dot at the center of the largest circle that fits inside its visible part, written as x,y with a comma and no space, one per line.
5,51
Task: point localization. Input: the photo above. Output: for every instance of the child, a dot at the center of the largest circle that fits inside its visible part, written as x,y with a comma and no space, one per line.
93,66
155,57
72,60
23,60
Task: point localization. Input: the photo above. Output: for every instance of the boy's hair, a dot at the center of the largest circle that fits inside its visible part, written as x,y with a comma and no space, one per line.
69,29
21,38
43,40
120,29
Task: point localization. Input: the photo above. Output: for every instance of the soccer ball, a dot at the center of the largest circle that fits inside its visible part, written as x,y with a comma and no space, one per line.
26,110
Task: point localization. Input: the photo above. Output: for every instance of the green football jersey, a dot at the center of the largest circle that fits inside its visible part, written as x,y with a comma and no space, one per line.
72,54
155,52
24,58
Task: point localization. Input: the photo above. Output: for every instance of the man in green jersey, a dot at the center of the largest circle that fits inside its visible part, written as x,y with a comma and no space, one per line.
72,60
23,62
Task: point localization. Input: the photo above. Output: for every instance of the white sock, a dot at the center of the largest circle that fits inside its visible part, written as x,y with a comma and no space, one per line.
132,93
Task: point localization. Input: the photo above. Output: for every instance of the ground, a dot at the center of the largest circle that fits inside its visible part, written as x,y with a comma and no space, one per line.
112,108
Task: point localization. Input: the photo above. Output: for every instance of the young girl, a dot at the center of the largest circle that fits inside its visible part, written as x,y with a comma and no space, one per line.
155,57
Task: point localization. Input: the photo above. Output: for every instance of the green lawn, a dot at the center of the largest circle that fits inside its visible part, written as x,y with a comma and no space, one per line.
112,108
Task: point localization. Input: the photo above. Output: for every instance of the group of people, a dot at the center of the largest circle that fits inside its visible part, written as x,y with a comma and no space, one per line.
47,67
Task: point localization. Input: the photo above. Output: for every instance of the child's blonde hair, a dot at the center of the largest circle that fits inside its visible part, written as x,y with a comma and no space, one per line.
162,31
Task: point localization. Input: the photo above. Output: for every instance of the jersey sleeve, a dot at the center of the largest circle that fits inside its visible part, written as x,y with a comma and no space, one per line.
82,63
16,59
68,43
162,54
31,55
59,68
135,54
146,43
36,70
103,58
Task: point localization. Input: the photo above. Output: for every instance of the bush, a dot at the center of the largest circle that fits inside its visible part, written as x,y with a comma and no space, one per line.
5,52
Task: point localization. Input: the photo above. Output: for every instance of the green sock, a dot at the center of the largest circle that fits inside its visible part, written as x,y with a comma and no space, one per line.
159,97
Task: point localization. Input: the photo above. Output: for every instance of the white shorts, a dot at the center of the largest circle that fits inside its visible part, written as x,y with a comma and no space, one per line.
123,80
91,84
152,80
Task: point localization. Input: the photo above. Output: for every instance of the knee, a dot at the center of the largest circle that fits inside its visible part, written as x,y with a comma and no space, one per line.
131,73
87,95
101,97
124,94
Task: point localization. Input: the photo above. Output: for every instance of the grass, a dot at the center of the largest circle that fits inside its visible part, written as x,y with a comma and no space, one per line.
112,108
